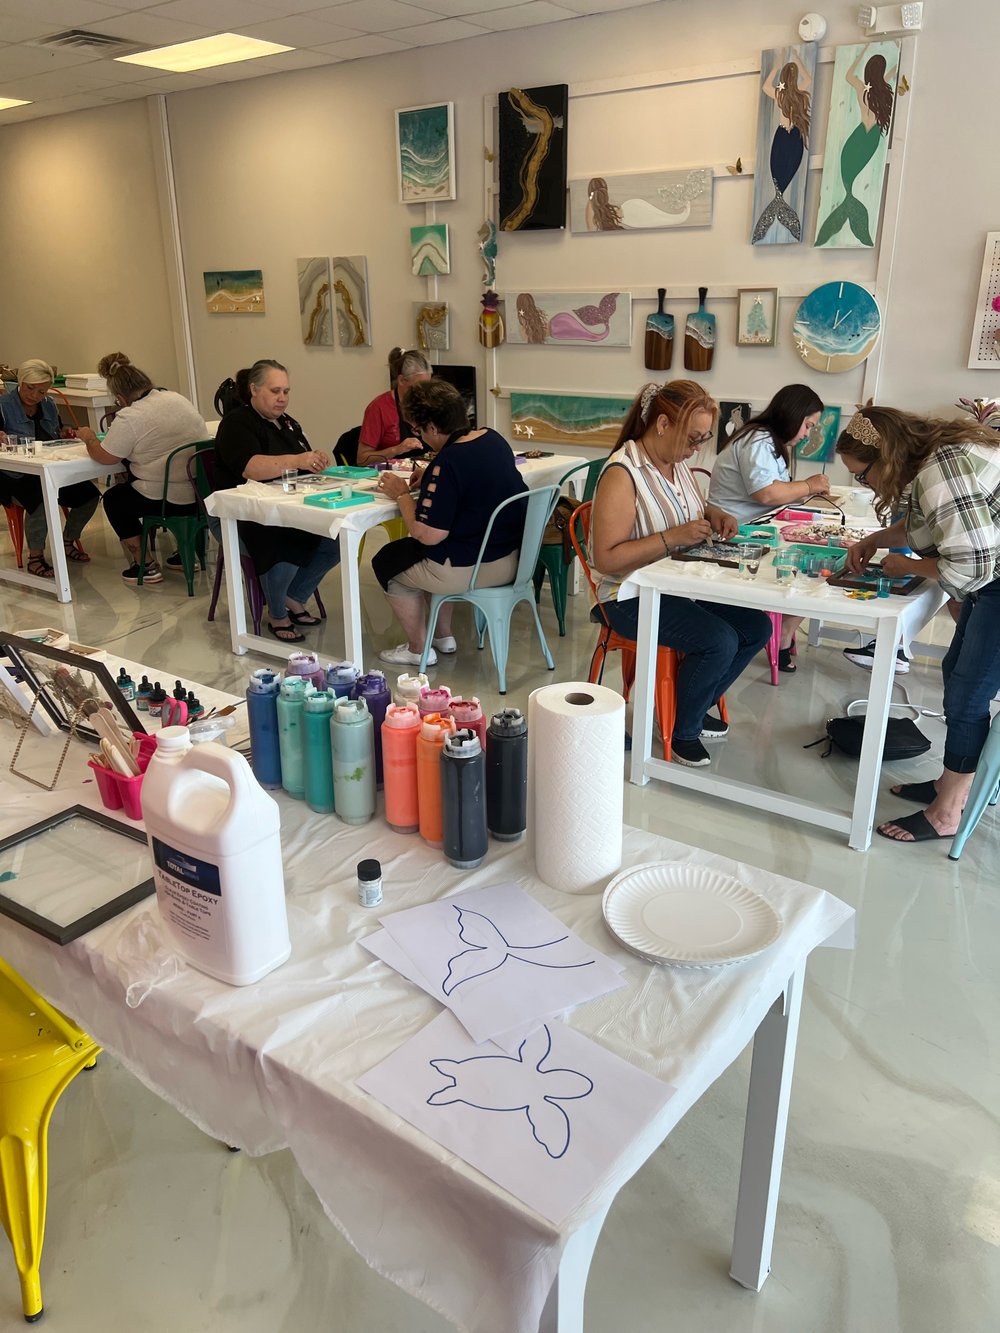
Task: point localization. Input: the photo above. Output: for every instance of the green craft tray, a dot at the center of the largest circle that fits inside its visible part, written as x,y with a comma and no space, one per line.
747,528
349,473
330,500
838,555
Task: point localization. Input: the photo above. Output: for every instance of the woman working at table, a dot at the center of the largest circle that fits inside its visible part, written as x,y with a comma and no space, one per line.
647,505
28,411
952,522
751,477
385,431
473,471
258,443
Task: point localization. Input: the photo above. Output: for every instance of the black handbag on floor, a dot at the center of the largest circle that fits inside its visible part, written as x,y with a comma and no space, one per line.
903,738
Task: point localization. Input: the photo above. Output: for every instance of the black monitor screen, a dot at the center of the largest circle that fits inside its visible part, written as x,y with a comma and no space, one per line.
464,380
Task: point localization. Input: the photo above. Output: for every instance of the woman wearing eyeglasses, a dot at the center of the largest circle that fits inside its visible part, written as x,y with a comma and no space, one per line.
648,505
949,472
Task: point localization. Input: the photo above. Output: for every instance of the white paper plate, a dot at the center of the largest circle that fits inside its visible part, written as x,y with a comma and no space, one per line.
669,912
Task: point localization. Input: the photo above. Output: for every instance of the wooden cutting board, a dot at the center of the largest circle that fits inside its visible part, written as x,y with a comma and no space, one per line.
659,335
699,336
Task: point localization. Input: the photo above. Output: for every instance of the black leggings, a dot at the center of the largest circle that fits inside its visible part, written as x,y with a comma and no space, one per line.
126,509
395,558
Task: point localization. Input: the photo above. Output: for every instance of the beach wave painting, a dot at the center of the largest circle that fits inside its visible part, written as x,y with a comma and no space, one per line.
425,149
567,418
237,291
429,250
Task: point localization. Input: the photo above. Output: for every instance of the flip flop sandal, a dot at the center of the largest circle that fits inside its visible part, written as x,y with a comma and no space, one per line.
785,662
917,825
41,568
921,792
303,618
285,633
74,553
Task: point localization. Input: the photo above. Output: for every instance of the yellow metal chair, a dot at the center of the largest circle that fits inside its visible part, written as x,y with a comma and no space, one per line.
395,527
41,1052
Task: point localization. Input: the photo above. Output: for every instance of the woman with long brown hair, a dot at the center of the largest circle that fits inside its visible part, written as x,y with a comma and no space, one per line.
601,213
949,474
648,505
875,102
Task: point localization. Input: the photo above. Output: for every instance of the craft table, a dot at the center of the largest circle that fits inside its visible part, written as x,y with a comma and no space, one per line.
265,502
93,403
890,620
275,1064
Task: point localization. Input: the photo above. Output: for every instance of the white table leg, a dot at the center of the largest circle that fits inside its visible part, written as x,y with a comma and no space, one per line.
350,583
645,684
870,761
764,1137
234,583
50,498
563,1312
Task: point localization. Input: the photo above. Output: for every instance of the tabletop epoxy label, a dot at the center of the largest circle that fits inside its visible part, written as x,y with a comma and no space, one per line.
190,889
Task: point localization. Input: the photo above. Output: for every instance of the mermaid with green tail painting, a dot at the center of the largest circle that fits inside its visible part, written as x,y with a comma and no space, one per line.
875,99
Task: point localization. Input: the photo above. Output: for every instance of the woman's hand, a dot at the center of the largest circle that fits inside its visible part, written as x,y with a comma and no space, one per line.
896,566
722,523
861,553
314,461
688,534
410,445
819,484
392,485
85,435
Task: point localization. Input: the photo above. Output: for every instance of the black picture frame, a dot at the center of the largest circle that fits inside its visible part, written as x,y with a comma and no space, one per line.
51,930
60,707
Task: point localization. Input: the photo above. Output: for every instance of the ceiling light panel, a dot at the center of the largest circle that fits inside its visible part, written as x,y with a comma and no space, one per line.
6,103
227,48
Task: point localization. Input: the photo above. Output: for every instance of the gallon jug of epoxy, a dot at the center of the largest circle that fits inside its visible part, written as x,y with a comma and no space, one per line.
215,842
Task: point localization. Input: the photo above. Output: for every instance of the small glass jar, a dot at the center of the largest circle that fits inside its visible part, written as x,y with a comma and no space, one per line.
369,883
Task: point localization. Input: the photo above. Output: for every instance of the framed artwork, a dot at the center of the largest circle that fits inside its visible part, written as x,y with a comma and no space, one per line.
350,290
238,291
431,320
784,124
820,445
984,354
732,417
315,305
532,157
647,201
71,872
593,420
572,319
836,326
69,686
862,97
756,316
425,152
429,250
462,378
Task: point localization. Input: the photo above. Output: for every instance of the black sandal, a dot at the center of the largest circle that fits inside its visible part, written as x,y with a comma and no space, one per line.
302,618
924,793
285,633
73,552
917,825
40,567
785,662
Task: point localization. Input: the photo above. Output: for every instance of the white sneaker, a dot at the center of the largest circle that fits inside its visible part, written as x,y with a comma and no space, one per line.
401,656
446,644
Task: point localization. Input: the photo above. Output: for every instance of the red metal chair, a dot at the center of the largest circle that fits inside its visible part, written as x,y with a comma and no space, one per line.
15,526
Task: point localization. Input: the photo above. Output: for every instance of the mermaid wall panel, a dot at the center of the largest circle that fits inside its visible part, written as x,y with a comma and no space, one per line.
350,291
571,319
642,202
784,123
532,141
857,141
425,151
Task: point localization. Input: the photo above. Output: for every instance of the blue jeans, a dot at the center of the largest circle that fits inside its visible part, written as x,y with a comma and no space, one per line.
971,671
718,643
298,582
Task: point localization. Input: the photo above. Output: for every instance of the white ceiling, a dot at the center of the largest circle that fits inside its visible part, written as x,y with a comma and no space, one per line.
59,79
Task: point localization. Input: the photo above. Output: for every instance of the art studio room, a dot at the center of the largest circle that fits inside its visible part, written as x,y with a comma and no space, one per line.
499,650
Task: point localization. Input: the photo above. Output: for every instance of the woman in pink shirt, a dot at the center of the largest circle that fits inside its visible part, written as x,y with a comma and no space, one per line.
385,432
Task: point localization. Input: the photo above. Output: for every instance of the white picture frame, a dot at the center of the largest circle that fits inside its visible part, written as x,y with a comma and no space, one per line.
747,299
425,152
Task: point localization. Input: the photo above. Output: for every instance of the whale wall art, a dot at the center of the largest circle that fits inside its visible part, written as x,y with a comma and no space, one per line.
425,149
571,319
784,133
647,201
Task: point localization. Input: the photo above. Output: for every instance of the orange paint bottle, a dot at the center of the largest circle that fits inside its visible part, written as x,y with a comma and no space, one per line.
399,767
433,729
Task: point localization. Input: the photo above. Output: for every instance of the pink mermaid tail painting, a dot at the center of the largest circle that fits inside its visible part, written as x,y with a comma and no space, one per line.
588,323
544,319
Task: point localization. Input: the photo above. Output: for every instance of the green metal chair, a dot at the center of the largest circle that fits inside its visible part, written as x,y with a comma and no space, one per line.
495,606
188,529
552,556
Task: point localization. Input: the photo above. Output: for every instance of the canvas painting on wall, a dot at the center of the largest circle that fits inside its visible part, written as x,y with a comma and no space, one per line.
238,291
984,354
431,321
857,141
350,289
567,418
532,143
732,417
644,201
756,316
429,250
425,152
784,122
820,445
573,319
315,304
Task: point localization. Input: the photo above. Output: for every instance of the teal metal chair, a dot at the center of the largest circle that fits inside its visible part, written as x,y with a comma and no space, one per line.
552,556
495,606
984,791
188,529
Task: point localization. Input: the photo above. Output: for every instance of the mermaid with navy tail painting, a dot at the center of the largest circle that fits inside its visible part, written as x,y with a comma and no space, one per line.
875,99
788,147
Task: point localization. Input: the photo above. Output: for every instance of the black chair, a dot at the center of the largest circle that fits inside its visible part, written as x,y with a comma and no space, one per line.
345,451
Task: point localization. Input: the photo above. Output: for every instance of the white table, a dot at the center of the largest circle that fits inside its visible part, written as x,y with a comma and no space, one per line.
889,620
55,466
92,402
266,503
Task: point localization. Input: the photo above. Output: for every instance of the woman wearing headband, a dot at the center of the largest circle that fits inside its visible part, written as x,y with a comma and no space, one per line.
648,505
950,473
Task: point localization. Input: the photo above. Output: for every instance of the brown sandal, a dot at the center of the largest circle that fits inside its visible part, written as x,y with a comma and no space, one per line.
73,552
40,567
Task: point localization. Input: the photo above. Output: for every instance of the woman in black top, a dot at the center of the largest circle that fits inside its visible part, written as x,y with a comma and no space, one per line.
258,443
472,473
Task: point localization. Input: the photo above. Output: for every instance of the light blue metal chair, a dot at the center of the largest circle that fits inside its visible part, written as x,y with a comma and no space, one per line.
494,606
984,791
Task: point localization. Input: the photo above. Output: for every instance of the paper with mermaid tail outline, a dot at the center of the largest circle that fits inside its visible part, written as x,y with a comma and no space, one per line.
779,205
548,1123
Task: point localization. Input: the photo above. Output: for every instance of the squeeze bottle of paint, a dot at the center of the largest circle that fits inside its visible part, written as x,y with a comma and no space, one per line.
291,734
434,701
463,799
507,775
373,689
125,683
408,688
142,692
399,763
353,742
469,713
262,716
317,711
433,730
307,666
216,850
341,678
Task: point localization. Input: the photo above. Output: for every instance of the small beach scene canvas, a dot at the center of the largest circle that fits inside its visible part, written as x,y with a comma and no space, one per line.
593,420
315,302
425,149
429,250
237,291
350,289
571,319
820,445
647,201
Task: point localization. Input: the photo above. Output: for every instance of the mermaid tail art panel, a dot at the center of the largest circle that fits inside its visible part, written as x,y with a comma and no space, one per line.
857,141
350,290
642,202
571,319
425,151
532,140
784,123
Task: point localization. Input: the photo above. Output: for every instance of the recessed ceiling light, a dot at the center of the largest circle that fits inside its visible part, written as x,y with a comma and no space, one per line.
227,48
7,102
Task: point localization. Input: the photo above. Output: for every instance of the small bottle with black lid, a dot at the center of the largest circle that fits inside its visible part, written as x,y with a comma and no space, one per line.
369,883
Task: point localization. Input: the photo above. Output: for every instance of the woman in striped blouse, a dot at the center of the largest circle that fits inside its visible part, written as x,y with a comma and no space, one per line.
950,473
647,505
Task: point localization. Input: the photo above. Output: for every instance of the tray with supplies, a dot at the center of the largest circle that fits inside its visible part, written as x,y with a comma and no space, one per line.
902,586
726,554
337,500
837,555
766,534
348,472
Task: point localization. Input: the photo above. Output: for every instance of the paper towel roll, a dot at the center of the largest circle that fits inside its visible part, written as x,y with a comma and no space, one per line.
576,740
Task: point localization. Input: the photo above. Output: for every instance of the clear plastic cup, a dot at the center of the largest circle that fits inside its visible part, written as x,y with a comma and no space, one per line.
751,554
786,568
883,587
289,480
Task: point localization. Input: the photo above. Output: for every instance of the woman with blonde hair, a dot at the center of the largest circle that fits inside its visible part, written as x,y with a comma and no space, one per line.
946,476
648,505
